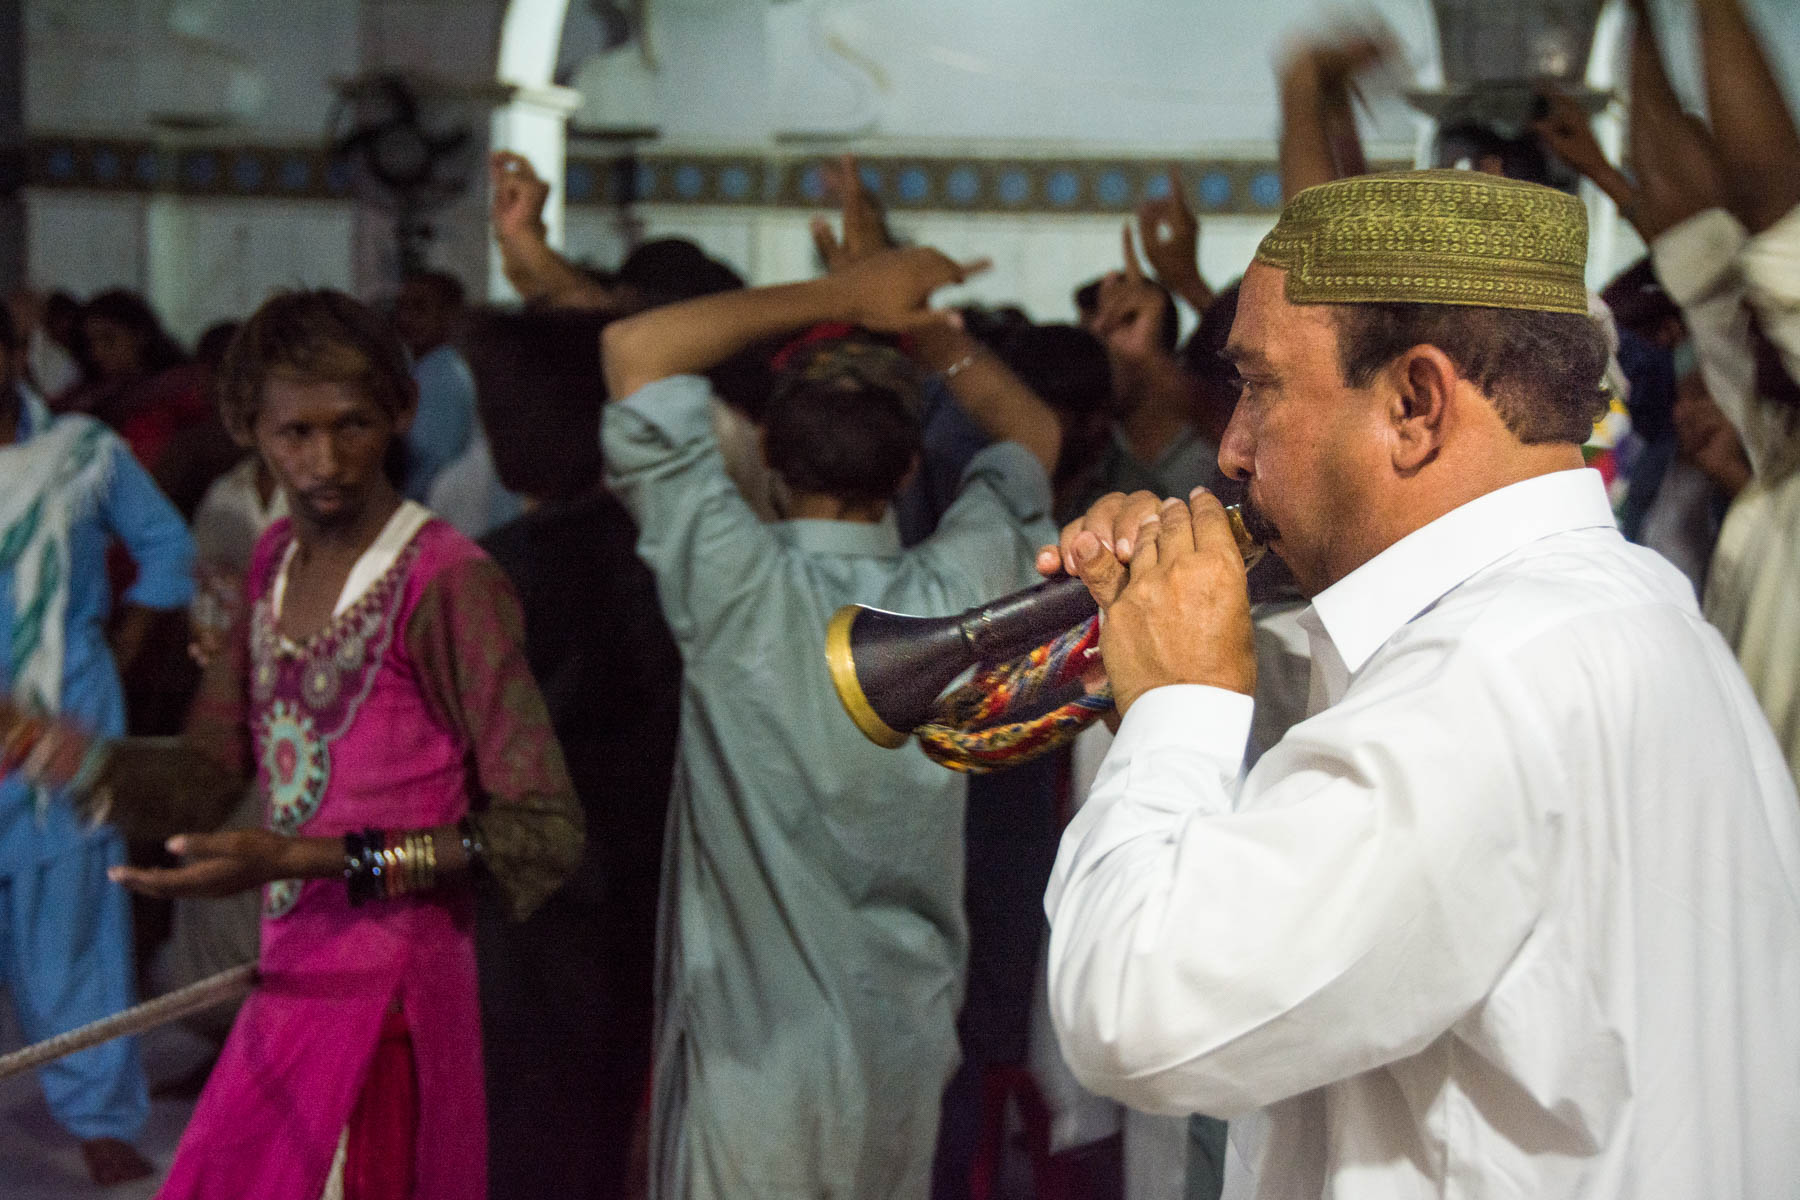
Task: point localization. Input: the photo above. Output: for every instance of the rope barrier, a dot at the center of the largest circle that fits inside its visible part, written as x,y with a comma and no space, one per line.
210,992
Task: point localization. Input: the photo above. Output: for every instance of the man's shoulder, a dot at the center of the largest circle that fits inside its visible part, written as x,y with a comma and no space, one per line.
1589,593
443,550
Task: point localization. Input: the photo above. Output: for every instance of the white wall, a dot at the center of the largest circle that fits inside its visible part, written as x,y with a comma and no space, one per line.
1134,78
216,260
109,66
236,72
84,242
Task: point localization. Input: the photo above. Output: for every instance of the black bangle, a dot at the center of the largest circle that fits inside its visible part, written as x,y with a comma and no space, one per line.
362,865
474,849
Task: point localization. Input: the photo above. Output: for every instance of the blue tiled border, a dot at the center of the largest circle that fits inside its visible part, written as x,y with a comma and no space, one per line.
266,172
902,182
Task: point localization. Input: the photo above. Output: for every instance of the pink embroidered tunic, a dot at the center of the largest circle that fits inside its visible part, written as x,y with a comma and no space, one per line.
376,721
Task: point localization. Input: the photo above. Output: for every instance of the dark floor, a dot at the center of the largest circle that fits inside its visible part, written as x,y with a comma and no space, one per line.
38,1161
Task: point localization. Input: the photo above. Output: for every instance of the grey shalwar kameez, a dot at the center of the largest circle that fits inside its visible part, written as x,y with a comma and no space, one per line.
812,940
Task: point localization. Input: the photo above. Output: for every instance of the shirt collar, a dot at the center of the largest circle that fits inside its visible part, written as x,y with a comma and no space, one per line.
1365,608
876,539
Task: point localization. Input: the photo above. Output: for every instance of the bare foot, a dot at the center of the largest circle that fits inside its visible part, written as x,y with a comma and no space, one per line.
110,1161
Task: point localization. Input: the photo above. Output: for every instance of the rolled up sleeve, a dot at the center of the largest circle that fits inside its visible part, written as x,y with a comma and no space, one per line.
709,551
1771,265
155,536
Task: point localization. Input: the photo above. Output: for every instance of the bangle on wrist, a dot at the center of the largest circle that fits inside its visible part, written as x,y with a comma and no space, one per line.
960,365
362,865
474,849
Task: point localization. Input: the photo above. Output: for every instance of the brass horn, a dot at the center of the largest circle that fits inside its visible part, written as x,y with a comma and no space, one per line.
890,670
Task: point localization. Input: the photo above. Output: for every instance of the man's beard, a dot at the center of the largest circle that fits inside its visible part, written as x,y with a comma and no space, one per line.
1256,522
344,516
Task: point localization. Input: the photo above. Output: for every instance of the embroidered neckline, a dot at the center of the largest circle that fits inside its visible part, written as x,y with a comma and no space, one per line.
368,575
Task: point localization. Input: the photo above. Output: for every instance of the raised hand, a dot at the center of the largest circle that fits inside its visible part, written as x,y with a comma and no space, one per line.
1333,62
890,290
1756,136
1171,237
1132,309
865,225
517,208
1566,130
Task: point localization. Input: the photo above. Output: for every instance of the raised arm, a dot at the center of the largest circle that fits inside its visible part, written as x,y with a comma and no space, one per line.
1567,132
1319,142
888,292
538,273
986,389
1677,167
1752,124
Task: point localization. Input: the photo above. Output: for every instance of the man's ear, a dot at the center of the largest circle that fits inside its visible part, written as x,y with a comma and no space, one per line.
1423,383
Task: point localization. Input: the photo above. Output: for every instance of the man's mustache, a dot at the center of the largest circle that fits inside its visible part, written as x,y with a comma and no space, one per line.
1256,521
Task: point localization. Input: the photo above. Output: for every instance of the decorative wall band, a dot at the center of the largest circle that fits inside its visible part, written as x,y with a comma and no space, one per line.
1018,185
902,182
267,172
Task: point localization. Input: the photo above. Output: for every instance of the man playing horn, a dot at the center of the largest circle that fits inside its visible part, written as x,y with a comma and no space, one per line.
1516,910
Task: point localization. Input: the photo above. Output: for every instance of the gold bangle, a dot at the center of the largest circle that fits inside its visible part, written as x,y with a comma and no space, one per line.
390,862
430,861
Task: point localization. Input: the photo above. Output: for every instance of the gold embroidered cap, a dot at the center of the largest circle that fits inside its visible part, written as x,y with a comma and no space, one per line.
1433,237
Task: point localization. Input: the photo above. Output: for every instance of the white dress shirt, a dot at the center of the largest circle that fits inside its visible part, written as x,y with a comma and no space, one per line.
1717,274
1516,913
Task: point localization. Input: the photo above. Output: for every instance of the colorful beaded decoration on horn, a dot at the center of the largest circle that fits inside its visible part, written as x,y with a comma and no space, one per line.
960,735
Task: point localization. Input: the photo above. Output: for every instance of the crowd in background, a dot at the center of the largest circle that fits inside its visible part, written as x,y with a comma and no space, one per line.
693,555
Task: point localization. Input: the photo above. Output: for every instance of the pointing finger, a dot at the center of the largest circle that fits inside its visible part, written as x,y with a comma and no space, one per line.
1133,269
975,266
824,240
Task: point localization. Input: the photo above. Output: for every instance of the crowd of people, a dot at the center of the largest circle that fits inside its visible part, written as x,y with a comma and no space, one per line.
464,668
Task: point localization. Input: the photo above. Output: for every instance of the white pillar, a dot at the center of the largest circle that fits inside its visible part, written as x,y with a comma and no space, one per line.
1604,74
535,120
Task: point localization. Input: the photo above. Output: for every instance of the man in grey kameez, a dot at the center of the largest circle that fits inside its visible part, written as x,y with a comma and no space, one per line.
812,938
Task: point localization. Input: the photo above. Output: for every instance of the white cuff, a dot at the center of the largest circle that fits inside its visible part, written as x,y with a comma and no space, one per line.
1694,258
1188,719
1771,265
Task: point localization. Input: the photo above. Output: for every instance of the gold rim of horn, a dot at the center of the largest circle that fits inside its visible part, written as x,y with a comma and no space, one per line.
1248,546
849,691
